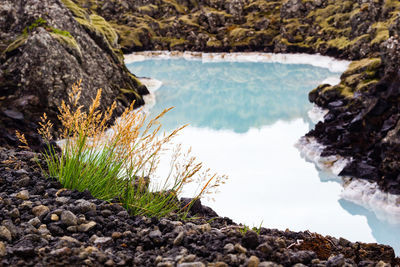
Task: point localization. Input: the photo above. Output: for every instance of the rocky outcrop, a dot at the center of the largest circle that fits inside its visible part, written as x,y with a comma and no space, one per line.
42,224
364,124
45,48
345,29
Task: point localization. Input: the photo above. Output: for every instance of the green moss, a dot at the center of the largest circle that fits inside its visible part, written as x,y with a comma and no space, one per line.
147,8
76,10
189,21
269,6
172,42
241,36
287,43
391,4
63,33
137,81
126,94
359,76
219,12
68,41
364,85
214,43
343,90
238,32
40,22
19,41
179,8
130,36
343,42
105,29
381,32
367,64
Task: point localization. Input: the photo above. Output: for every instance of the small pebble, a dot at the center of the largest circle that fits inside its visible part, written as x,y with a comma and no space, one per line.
178,240
229,248
86,227
68,218
5,234
40,210
116,235
84,206
54,217
24,195
253,261
35,221
103,241
239,248
3,249
14,213
191,264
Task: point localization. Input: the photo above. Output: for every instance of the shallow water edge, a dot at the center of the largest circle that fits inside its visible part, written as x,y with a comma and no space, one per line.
334,65
357,191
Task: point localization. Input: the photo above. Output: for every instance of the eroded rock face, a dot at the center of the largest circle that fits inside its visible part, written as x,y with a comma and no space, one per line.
44,50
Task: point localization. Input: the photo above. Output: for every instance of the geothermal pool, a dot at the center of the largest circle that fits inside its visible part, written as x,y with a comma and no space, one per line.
245,119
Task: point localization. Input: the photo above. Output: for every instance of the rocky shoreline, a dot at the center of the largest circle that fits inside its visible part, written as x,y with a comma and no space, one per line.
43,224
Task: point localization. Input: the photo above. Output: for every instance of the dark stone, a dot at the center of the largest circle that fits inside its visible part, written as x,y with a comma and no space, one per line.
250,240
361,170
16,115
336,261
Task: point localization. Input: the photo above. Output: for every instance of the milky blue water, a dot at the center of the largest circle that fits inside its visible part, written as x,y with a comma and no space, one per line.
244,121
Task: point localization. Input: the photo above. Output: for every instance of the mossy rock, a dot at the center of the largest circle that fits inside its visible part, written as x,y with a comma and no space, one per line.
359,77
19,41
363,65
136,80
147,9
172,42
76,10
363,86
186,20
391,4
101,25
339,43
381,32
129,36
343,90
69,43
179,8
240,36
212,42
126,96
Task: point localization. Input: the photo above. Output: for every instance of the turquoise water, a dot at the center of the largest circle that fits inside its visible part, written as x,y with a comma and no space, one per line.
244,121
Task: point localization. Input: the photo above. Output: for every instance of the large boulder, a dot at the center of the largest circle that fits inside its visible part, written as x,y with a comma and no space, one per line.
45,47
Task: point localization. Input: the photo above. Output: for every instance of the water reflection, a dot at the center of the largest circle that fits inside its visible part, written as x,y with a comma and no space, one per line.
382,231
229,95
244,121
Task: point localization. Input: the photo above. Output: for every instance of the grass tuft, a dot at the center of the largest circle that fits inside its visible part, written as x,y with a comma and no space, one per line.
119,164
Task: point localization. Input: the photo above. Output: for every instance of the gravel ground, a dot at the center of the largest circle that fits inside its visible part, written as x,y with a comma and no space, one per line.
43,224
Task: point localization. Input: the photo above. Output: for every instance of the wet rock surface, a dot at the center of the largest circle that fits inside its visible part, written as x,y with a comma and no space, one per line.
61,233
